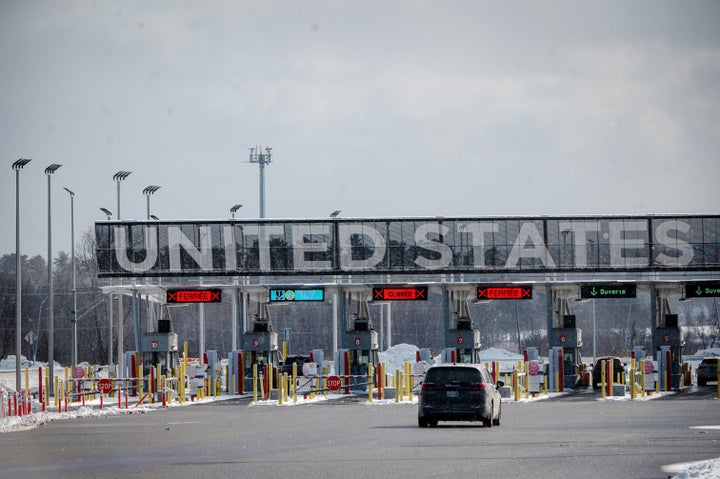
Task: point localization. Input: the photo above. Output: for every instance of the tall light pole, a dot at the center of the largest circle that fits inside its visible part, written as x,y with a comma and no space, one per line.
148,192
234,209
118,177
17,166
111,297
73,320
49,171
262,159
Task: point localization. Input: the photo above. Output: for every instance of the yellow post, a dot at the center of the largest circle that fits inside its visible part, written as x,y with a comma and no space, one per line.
642,377
284,349
370,383
408,380
158,386
27,382
398,385
254,382
527,381
632,381
281,390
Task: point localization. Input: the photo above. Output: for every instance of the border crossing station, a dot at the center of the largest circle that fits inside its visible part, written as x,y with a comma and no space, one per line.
357,261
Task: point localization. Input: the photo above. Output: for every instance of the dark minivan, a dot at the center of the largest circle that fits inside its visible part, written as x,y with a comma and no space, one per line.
458,392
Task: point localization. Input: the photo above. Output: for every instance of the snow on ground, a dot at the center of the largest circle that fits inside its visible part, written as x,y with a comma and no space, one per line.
394,358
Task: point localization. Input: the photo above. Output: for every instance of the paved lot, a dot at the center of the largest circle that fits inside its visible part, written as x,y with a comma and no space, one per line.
572,437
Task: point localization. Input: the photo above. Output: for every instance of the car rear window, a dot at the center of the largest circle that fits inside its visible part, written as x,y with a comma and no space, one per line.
453,375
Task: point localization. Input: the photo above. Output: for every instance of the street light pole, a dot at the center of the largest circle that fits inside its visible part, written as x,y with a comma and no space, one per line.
119,177
73,320
234,209
17,166
148,192
111,297
49,171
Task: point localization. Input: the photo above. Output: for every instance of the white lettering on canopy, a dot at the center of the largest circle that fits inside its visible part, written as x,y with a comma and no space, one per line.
619,243
202,255
346,233
529,233
422,240
662,236
301,247
580,231
151,253
363,245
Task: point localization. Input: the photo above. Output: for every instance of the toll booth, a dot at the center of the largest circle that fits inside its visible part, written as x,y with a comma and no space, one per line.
667,342
361,339
259,345
566,336
160,349
463,340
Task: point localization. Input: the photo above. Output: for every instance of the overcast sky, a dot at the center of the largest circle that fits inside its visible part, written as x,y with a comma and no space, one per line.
387,108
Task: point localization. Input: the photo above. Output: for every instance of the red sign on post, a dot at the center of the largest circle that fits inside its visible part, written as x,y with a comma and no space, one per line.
194,296
504,292
104,386
333,383
406,293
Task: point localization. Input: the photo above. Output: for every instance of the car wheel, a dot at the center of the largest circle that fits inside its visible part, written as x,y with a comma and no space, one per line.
423,422
488,422
702,382
496,421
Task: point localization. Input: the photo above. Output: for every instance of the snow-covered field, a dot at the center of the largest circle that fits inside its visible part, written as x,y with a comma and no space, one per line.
394,358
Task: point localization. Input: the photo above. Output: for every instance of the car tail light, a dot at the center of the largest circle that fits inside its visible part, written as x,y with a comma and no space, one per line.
477,386
429,387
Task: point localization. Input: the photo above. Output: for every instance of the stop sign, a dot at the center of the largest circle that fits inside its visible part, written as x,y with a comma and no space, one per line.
333,383
104,386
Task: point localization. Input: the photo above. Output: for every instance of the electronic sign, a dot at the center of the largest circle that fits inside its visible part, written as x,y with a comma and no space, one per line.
301,294
504,292
702,290
194,296
607,291
400,293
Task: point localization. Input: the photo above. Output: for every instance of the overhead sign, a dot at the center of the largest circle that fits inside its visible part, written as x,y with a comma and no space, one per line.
702,290
406,245
401,293
607,291
504,292
194,296
302,294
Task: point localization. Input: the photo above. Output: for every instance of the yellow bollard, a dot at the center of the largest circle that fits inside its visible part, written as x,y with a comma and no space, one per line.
254,382
398,388
603,385
370,382
408,380
527,381
281,390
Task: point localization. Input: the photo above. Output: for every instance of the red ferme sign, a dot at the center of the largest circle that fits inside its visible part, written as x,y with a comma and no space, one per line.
504,292
194,296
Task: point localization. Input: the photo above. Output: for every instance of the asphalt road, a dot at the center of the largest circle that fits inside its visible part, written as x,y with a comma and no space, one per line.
571,437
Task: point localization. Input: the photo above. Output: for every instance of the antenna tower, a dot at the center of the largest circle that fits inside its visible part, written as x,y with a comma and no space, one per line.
262,158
